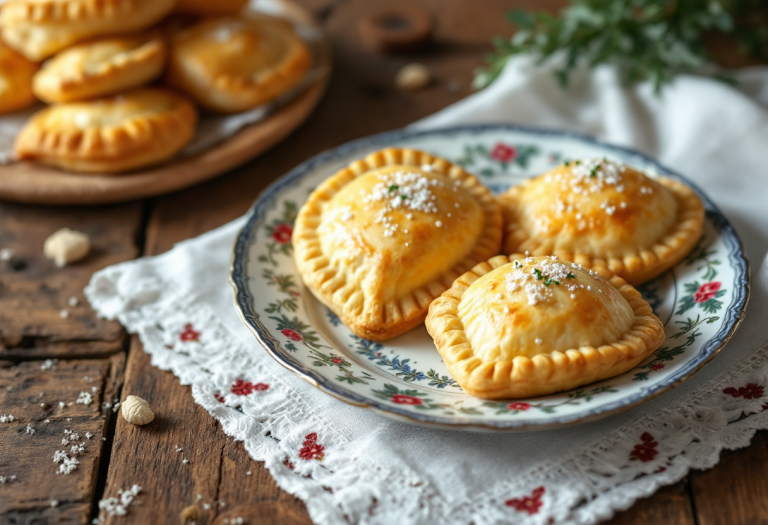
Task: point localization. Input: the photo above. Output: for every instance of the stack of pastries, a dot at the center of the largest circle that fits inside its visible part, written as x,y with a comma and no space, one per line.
402,237
124,78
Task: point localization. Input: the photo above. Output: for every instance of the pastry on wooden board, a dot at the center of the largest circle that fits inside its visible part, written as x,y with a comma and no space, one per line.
16,72
41,28
231,64
100,67
528,326
384,236
109,135
597,212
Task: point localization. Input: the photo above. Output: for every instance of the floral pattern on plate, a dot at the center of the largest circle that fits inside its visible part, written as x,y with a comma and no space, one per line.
700,301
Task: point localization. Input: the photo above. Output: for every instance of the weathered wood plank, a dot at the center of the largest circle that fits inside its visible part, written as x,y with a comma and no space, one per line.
670,504
32,395
735,491
33,291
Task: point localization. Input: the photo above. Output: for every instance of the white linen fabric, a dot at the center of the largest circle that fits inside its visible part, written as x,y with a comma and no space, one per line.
352,466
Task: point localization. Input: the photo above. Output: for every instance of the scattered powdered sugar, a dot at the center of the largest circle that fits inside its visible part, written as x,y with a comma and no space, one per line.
345,214
7,418
6,254
68,461
403,190
73,301
30,429
591,176
535,278
85,398
49,364
64,313
7,479
118,506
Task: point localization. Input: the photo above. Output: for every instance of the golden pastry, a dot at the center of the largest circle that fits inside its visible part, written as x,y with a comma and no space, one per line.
601,213
109,135
99,68
15,80
522,327
207,7
232,64
41,28
380,239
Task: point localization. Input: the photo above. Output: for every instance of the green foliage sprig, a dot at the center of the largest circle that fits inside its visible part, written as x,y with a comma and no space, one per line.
647,39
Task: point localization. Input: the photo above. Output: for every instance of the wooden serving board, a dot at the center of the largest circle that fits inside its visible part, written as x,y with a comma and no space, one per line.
34,183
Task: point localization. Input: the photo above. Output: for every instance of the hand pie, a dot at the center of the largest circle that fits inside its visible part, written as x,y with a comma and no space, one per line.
602,213
41,28
533,326
109,135
232,64
380,239
15,80
99,68
208,7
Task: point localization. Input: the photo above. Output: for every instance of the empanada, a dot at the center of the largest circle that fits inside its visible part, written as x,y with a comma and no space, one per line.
109,135
41,28
383,237
231,64
528,326
99,68
602,213
16,74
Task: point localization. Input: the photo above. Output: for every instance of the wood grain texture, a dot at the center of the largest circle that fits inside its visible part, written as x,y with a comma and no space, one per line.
32,395
33,291
671,504
735,491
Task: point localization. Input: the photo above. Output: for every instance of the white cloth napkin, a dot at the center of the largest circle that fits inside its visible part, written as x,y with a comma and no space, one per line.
352,466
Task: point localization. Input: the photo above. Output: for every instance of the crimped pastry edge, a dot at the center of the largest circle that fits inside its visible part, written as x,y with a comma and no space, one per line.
141,65
637,267
231,94
408,311
134,144
527,377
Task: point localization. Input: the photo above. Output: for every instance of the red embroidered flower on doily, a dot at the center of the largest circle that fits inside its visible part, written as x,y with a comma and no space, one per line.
519,406
644,451
189,334
706,292
218,397
503,152
311,449
243,388
657,366
530,504
287,463
402,399
749,391
282,233
291,334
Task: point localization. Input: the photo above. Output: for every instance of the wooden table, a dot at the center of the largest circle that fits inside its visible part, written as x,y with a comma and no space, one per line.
94,353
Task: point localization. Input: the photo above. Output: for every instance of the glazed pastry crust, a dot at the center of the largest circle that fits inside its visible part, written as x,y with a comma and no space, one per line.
41,28
514,370
381,286
16,74
207,7
109,135
660,224
230,64
100,68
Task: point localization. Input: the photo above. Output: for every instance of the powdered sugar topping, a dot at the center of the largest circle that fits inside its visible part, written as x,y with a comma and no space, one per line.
538,278
403,190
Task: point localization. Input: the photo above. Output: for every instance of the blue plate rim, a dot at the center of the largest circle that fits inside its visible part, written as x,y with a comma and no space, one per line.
732,318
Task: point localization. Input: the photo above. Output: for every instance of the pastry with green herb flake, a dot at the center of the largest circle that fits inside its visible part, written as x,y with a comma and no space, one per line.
528,326
384,236
598,212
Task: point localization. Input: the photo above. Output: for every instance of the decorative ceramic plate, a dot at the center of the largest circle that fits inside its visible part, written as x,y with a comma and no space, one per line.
701,301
